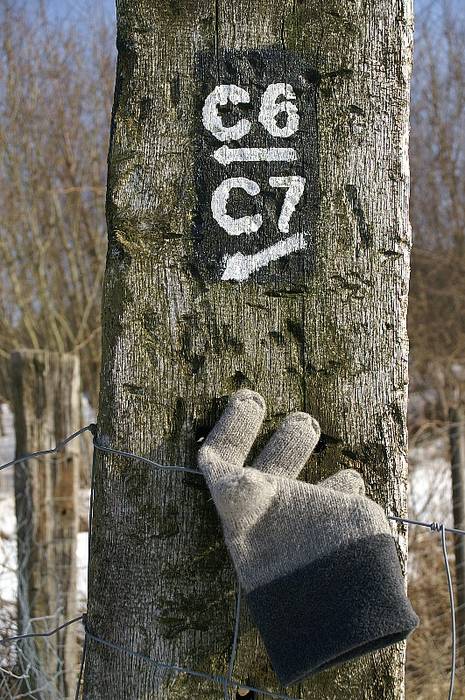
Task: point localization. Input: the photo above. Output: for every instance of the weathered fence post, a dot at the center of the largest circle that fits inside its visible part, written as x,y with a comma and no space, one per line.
457,459
46,405
258,236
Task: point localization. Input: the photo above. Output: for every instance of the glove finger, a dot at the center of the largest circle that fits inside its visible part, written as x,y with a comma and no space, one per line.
233,435
346,480
289,448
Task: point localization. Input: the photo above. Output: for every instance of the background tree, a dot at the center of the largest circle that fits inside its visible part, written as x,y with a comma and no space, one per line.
56,80
436,319
55,102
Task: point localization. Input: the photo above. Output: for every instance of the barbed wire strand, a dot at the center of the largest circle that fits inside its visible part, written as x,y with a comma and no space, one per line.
226,681
146,460
47,633
58,447
431,526
191,672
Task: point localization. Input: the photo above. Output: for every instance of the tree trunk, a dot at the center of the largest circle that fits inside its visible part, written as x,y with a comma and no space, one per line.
457,459
46,406
310,312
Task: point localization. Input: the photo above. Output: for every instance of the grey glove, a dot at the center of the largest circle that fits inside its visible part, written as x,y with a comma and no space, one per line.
318,563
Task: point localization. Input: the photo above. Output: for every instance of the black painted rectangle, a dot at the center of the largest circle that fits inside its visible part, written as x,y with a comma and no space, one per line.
267,254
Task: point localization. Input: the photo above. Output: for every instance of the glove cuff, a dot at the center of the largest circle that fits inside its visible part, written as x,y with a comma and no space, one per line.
336,608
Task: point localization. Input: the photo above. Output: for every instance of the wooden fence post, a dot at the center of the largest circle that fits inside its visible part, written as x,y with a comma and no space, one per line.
257,208
457,458
46,406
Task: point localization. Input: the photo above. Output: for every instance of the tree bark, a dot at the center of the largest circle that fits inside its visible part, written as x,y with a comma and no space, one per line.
46,406
321,330
457,458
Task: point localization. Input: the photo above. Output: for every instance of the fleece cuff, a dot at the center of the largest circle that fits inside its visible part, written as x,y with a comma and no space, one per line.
336,608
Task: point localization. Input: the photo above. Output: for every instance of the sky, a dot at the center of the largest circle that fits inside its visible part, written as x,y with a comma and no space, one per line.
79,11
74,9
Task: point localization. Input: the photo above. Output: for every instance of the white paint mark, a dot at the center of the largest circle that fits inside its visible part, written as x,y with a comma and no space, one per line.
245,224
296,186
239,267
226,155
279,116
270,109
212,121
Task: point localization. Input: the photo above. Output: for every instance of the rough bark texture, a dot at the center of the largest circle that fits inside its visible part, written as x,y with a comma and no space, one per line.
46,406
174,346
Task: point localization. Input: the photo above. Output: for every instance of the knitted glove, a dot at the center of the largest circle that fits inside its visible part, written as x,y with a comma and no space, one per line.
318,563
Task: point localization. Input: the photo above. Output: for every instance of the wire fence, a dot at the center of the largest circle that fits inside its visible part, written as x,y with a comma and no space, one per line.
227,681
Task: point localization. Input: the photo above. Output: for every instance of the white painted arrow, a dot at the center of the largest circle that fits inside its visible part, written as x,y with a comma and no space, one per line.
225,155
239,267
